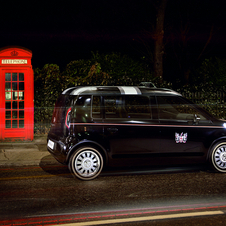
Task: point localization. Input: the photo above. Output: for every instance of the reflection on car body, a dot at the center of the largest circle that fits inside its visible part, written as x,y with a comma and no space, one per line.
131,126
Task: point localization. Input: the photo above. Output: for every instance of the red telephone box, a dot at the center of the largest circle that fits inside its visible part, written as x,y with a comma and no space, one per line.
16,94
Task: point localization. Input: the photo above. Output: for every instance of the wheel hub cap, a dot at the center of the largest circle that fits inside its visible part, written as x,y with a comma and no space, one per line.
220,157
223,157
87,163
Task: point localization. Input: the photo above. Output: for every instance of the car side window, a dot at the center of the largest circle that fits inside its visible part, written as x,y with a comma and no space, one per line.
177,108
137,106
96,107
127,107
112,105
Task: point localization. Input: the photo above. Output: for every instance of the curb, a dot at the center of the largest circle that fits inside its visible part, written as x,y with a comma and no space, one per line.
25,153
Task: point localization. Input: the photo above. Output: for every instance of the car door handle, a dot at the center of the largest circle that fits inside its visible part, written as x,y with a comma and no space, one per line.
112,129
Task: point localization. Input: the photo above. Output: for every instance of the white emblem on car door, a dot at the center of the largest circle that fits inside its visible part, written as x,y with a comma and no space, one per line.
181,138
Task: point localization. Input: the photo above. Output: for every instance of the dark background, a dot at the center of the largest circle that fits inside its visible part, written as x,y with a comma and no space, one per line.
61,31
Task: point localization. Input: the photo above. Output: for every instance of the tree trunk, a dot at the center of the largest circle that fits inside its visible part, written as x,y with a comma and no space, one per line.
159,35
186,76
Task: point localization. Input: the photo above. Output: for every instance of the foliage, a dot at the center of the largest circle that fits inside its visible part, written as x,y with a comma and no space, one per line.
110,69
122,69
74,71
114,69
212,73
208,86
48,85
208,89
93,76
211,101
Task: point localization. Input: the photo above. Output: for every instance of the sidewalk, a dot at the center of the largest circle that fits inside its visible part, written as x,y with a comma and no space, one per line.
26,153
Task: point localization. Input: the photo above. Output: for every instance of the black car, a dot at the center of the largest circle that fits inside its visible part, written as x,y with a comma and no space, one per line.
101,126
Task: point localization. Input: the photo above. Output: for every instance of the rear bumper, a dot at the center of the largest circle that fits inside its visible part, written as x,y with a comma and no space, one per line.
57,150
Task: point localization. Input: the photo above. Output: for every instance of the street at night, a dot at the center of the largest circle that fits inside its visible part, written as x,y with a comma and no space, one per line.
87,87
40,195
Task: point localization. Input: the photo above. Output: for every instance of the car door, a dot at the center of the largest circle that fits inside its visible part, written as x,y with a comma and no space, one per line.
184,129
130,127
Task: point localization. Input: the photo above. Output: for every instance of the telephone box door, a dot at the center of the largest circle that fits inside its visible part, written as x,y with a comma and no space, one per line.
14,104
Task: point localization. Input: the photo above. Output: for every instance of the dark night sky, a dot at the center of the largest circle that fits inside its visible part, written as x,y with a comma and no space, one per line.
62,31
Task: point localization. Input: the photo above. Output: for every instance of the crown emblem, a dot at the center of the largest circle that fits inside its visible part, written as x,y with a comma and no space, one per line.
14,53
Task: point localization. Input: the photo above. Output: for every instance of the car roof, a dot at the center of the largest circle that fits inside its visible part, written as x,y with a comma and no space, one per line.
118,90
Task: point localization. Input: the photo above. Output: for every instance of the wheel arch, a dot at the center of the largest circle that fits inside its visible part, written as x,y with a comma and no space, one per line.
219,140
88,143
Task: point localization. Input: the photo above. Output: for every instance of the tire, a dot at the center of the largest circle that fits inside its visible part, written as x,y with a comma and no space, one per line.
218,157
86,163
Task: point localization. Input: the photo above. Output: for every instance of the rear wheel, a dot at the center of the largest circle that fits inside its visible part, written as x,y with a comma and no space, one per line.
86,163
218,157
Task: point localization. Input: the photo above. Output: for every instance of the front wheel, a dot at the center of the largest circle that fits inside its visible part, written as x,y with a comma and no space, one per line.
86,163
218,157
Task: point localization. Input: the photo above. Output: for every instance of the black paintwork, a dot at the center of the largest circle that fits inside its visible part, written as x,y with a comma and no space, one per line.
128,141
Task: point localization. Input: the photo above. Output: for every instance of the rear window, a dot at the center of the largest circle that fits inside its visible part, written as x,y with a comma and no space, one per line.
62,103
82,109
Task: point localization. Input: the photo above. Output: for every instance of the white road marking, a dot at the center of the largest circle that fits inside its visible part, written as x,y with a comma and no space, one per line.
147,218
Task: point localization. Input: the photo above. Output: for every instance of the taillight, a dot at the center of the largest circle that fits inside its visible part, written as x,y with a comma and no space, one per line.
67,119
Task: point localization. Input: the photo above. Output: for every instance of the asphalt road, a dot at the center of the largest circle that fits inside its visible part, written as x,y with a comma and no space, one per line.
40,195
